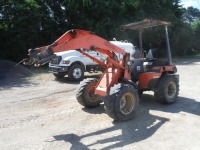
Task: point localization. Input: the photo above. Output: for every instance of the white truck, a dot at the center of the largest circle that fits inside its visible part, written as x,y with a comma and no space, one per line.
74,64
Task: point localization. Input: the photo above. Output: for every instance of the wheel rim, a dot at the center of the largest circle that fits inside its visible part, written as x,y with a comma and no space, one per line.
171,89
77,73
127,103
90,93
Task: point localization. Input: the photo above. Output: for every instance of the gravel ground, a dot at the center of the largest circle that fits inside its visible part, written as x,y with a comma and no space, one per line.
39,112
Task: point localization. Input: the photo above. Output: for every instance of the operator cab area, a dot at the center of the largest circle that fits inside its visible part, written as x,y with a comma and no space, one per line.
147,61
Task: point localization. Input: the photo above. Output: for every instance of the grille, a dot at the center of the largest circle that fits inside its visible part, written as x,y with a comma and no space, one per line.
56,60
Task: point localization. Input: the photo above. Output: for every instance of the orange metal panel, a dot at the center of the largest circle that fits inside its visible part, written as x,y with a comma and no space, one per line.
105,82
145,78
76,39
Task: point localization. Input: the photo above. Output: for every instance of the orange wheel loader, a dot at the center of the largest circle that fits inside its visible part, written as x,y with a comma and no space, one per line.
123,79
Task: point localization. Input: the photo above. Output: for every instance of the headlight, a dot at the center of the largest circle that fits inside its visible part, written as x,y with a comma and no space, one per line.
66,61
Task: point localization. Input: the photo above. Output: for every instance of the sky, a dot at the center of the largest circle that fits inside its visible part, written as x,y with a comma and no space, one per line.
188,3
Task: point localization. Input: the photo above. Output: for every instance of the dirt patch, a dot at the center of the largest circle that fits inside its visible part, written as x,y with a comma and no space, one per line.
12,74
46,115
9,68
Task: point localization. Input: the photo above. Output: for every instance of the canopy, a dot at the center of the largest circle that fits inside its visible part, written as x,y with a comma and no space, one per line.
146,23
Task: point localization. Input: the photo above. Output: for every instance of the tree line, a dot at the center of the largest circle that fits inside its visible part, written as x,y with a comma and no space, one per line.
28,24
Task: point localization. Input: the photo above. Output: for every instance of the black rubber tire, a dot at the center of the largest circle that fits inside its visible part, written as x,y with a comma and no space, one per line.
140,93
76,72
167,89
114,102
85,93
59,75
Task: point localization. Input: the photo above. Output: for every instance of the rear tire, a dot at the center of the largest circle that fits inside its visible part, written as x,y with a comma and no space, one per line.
85,93
167,89
59,75
122,102
76,72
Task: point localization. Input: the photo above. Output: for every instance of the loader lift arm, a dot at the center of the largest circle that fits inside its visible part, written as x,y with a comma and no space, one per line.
80,40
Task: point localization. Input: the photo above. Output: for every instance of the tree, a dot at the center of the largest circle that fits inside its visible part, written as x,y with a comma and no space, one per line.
196,28
32,23
189,31
190,14
20,27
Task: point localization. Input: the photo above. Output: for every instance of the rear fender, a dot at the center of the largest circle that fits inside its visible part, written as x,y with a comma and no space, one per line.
148,80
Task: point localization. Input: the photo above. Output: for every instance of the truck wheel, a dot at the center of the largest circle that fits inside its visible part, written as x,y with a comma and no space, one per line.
122,102
76,72
167,90
85,93
59,75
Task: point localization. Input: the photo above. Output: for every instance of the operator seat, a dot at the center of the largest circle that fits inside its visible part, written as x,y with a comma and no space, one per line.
151,57
152,54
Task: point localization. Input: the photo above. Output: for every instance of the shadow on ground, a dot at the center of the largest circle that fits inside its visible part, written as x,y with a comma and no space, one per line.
182,104
66,79
142,127
97,110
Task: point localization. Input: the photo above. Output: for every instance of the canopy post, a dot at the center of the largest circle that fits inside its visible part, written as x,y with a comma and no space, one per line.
168,46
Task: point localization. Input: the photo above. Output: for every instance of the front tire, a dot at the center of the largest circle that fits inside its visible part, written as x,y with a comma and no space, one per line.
85,93
167,89
76,72
122,102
